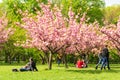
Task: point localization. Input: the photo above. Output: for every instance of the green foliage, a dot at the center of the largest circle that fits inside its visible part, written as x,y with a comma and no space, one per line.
10,51
11,11
93,9
11,7
91,58
71,58
114,57
112,14
14,9
19,35
32,52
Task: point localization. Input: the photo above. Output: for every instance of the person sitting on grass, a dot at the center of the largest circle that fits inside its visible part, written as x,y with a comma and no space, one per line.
33,65
80,64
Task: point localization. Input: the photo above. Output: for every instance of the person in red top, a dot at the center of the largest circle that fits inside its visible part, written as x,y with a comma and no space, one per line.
80,64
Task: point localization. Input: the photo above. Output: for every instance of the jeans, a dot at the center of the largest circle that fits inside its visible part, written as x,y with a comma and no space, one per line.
100,61
104,62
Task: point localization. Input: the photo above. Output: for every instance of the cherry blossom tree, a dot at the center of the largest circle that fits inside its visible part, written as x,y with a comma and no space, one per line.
4,33
113,34
87,37
47,30
84,37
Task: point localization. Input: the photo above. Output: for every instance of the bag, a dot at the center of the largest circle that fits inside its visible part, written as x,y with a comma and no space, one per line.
14,70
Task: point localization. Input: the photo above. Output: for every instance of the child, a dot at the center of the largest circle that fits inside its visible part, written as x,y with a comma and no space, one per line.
80,64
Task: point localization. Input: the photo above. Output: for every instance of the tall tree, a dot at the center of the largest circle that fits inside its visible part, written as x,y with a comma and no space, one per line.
112,14
4,32
92,8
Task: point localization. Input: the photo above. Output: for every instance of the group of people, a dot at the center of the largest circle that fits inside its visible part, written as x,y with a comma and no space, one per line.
30,66
103,58
81,63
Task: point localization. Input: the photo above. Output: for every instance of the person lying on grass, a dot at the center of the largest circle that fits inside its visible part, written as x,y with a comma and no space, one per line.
27,67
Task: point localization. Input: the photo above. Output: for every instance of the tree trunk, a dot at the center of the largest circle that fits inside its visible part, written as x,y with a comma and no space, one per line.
65,60
18,59
43,59
86,59
46,57
9,59
6,58
50,61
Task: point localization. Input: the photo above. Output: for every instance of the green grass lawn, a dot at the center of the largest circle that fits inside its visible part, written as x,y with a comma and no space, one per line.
60,73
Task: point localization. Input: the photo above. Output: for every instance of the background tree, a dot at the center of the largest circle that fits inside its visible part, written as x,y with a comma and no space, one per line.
92,8
4,32
113,34
112,14
13,10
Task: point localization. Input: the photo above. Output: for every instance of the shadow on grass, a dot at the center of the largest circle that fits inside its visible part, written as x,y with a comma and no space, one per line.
94,71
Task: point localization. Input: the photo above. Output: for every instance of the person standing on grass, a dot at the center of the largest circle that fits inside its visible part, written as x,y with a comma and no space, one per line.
105,54
100,59
59,59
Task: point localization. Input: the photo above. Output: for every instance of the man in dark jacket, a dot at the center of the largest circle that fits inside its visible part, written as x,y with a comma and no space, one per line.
105,55
33,65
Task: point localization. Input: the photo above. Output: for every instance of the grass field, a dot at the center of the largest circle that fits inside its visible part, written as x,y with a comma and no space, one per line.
60,73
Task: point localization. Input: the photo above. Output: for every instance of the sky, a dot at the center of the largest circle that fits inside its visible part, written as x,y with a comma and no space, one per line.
108,2
112,2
